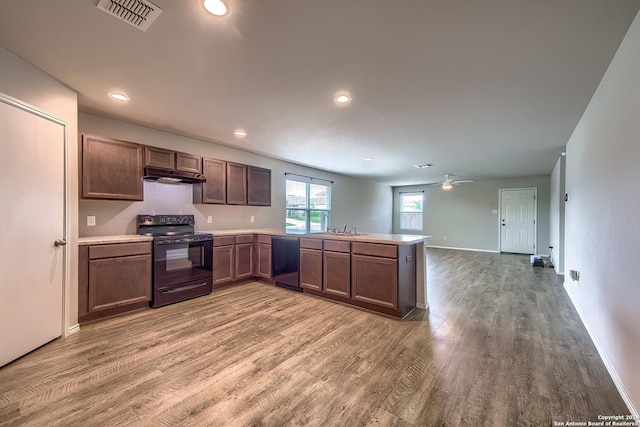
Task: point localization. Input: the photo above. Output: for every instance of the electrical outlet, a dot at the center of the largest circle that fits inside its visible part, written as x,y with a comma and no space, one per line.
209,219
91,221
575,275
252,219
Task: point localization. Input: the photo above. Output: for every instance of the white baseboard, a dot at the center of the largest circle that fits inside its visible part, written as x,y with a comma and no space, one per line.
73,329
463,249
612,372
422,306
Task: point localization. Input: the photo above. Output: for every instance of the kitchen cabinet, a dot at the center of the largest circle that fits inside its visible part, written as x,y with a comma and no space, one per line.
113,278
111,169
244,256
258,186
337,268
223,260
263,263
375,280
384,275
236,184
160,158
214,189
311,264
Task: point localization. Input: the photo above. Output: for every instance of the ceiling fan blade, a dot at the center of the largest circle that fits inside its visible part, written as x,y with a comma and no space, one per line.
460,182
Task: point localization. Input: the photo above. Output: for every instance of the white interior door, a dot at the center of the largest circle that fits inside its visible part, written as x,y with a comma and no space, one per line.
518,221
32,197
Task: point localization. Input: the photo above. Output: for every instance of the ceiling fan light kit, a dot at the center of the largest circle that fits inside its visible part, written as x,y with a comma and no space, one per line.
448,183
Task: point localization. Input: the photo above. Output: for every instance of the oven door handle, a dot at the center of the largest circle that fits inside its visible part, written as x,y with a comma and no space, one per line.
184,288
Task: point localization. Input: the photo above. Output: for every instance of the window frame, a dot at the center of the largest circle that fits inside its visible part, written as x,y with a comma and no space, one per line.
403,212
308,209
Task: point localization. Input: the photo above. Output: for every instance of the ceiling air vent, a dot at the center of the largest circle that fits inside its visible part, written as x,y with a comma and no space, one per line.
139,13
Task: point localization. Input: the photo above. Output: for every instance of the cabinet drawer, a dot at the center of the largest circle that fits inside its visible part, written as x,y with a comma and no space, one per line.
375,249
264,238
311,243
224,240
244,238
337,246
119,249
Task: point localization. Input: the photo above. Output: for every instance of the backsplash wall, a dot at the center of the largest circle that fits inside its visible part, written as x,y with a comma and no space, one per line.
366,204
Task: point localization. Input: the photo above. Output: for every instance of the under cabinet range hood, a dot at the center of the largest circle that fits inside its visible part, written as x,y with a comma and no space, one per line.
172,176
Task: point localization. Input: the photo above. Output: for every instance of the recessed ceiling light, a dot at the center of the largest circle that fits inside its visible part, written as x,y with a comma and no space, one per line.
215,7
240,133
426,165
368,159
342,98
119,96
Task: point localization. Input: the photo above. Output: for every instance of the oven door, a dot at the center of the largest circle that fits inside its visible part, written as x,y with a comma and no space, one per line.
175,263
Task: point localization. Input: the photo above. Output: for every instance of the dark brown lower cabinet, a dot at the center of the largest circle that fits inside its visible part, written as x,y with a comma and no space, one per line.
113,278
244,260
375,280
311,268
337,273
119,281
263,263
223,263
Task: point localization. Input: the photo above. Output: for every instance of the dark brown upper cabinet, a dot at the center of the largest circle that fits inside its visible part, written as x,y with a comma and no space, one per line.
258,186
236,184
188,163
111,169
171,160
214,190
159,158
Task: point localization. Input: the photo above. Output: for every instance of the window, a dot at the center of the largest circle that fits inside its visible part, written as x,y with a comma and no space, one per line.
411,211
308,204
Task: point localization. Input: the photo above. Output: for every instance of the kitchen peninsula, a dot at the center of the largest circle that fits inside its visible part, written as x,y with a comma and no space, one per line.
385,273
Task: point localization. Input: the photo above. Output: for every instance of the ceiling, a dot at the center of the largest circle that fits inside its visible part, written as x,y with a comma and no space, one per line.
480,88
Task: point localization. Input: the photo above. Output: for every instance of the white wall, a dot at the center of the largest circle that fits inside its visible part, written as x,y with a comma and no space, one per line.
23,81
602,226
365,204
557,214
464,215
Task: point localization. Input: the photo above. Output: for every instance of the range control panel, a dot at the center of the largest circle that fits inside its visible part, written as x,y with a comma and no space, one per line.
166,220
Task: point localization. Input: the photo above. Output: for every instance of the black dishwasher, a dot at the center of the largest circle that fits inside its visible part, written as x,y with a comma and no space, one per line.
285,255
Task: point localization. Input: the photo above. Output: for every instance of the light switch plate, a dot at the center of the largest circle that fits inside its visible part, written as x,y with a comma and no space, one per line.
252,219
91,221
209,219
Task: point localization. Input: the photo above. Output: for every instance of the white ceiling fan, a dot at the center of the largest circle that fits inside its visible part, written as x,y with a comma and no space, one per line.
448,182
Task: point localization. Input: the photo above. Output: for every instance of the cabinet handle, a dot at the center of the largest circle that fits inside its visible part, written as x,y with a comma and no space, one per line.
184,288
60,242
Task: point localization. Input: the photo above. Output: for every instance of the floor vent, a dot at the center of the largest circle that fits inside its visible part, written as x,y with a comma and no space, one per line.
139,13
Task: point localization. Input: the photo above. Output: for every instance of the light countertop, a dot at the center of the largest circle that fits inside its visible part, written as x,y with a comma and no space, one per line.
102,240
397,239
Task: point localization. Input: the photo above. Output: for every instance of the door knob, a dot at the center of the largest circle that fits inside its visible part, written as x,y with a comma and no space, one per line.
60,242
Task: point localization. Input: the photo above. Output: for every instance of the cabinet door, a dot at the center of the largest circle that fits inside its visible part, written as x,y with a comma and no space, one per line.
111,169
337,273
258,186
236,184
159,158
114,282
188,163
223,265
214,189
374,280
311,269
244,260
264,260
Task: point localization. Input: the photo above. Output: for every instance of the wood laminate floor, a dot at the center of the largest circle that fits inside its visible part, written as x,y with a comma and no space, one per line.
501,346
